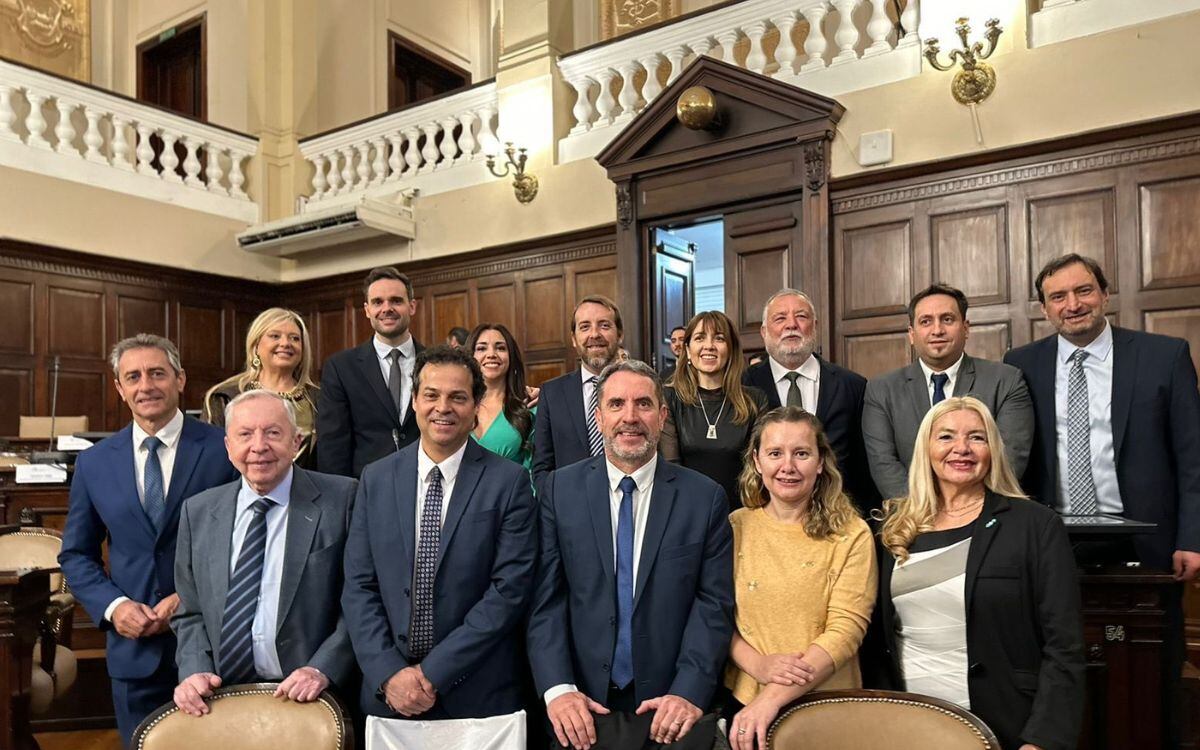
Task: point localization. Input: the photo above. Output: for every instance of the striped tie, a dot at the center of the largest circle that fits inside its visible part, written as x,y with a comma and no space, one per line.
1081,485
236,662
595,441
154,501
426,572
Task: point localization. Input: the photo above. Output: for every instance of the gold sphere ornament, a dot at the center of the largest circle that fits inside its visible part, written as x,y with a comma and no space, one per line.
696,108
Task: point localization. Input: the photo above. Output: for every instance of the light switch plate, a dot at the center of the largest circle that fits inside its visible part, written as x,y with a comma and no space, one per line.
875,148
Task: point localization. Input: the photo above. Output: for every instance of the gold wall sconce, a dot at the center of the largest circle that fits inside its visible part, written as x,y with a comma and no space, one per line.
525,185
976,80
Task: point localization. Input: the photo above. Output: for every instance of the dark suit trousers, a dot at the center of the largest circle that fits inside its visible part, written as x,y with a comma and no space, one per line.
134,700
625,730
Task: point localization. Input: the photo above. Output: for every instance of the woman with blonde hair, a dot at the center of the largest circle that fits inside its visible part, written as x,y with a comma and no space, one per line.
803,573
278,359
709,411
978,598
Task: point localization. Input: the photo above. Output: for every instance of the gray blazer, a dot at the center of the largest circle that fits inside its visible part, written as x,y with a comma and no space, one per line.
895,404
311,630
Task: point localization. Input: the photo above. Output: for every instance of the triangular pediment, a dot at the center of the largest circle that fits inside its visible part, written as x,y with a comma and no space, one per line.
754,111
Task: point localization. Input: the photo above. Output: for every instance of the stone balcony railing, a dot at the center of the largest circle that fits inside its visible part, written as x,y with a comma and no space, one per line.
431,147
829,47
58,127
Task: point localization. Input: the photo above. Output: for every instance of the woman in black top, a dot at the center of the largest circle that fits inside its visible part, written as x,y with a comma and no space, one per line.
709,412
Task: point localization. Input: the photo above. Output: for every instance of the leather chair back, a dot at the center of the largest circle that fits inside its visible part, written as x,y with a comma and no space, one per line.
32,547
861,719
248,717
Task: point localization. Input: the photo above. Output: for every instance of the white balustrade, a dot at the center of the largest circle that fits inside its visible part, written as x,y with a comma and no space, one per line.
432,146
848,45
57,127
1061,20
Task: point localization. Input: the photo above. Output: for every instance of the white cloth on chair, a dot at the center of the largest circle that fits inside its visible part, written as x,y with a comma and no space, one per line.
492,733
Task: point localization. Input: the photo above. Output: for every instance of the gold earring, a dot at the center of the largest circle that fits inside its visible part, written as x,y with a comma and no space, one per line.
256,363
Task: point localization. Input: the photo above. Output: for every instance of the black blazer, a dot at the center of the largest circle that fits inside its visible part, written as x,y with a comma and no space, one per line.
1024,627
1156,435
357,423
560,436
840,408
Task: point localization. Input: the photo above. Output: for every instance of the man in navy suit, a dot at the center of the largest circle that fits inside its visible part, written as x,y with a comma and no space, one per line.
1117,418
565,431
128,489
633,611
364,411
440,561
794,375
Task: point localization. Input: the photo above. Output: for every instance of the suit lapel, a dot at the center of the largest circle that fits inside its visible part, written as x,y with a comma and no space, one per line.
760,376
988,525
598,508
1041,387
574,386
1125,357
304,514
223,514
828,390
966,377
368,365
124,471
187,456
918,394
662,500
469,472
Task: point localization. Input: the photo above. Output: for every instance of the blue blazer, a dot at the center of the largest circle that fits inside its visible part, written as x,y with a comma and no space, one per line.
683,595
482,588
560,435
1156,435
105,507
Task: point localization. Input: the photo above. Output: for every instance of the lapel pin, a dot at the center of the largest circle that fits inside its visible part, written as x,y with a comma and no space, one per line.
990,524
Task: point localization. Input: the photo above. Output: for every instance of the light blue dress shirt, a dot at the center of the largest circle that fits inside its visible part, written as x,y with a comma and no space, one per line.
1098,370
266,619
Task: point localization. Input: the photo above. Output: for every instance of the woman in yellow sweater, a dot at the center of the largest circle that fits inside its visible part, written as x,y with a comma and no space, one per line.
804,575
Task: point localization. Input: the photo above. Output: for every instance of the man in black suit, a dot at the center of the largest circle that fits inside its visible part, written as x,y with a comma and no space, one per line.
668,368
565,430
794,375
364,411
1118,427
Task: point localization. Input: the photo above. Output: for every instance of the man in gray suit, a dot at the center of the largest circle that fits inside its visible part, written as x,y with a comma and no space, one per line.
258,567
895,403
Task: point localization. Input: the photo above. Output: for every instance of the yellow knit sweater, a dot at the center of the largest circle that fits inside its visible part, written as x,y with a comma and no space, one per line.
792,591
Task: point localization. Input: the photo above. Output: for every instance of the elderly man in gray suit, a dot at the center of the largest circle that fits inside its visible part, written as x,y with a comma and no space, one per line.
258,567
895,403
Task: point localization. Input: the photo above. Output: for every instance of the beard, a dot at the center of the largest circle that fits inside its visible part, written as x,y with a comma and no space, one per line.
597,361
796,349
635,454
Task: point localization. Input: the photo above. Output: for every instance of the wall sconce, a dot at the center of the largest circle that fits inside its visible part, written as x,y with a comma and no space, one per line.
977,80
524,185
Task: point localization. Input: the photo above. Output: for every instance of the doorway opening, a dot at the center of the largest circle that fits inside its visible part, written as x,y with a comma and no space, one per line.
689,272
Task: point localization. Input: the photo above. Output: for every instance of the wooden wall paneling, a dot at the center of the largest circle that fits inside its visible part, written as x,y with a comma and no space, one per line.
1074,214
760,259
450,308
874,354
330,333
1168,223
547,314
140,313
874,254
75,317
203,339
16,383
1182,323
17,312
595,278
970,251
496,302
537,373
990,340
83,389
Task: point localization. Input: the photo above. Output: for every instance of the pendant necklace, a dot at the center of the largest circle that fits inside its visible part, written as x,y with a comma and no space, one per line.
712,426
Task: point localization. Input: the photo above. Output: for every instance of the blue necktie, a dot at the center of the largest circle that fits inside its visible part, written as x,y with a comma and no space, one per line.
154,500
622,666
939,387
426,571
236,662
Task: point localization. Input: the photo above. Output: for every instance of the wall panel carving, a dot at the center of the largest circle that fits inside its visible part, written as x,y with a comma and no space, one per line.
1083,223
970,251
877,259
1170,236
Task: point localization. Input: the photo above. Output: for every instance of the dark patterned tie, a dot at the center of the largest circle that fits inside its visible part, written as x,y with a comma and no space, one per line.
427,555
1081,485
236,662
395,375
939,387
595,440
622,663
793,394
154,500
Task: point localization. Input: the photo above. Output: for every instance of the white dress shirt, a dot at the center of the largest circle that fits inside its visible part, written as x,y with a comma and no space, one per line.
449,469
643,478
408,362
169,435
950,372
266,617
809,382
1098,370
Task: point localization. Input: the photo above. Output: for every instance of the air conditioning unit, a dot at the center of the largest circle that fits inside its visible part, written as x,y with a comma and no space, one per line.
369,218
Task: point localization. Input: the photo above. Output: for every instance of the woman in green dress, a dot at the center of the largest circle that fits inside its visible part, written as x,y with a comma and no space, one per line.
505,423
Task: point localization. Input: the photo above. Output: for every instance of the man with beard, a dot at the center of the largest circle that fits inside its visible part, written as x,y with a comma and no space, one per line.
668,369
565,430
364,411
794,375
633,607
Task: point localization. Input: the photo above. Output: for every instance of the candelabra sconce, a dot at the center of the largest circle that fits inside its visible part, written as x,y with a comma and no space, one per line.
525,185
977,80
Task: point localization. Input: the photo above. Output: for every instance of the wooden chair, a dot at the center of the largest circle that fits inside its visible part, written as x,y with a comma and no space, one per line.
249,717
858,719
55,665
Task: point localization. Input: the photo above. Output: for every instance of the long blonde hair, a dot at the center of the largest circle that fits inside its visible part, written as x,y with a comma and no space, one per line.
685,381
830,509
273,316
906,517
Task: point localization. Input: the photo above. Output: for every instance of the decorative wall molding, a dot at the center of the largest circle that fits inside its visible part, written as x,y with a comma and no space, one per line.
515,264
1060,20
